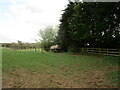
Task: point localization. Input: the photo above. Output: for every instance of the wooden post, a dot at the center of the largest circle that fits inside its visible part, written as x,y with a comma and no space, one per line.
99,50
82,49
107,52
119,52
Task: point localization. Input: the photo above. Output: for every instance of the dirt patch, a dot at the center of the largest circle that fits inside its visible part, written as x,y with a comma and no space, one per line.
64,69
28,78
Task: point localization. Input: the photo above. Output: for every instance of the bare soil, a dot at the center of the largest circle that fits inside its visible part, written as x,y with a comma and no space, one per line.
28,78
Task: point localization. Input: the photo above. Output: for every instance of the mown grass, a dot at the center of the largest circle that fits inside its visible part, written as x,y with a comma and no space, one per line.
62,63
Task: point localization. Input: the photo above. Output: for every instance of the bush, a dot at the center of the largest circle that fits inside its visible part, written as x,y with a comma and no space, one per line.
47,37
73,49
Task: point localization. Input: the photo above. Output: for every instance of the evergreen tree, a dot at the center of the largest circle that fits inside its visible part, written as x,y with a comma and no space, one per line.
90,25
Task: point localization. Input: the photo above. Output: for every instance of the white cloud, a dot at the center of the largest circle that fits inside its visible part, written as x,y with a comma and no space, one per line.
34,10
26,17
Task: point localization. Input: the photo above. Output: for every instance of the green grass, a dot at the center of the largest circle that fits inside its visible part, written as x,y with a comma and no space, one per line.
37,60
59,63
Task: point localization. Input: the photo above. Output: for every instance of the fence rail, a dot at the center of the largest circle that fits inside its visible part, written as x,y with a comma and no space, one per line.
29,49
103,51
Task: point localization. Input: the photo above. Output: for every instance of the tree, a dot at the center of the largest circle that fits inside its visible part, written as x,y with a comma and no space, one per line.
63,34
90,25
47,37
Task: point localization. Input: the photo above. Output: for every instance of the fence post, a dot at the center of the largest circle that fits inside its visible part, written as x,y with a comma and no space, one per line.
99,50
107,52
81,49
119,52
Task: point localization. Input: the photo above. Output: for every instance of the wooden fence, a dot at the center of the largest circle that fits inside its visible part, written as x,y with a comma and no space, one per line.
29,49
102,51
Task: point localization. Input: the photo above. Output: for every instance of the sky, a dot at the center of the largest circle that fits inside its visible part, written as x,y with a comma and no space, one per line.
22,19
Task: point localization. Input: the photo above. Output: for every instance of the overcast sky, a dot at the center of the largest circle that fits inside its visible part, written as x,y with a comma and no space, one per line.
22,19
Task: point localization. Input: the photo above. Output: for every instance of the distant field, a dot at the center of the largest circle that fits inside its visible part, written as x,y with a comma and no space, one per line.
29,69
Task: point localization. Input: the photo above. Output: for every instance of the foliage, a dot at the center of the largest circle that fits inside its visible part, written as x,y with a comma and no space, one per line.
47,37
21,45
73,49
90,25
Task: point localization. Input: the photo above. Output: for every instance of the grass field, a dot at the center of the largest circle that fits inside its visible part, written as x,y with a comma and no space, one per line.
29,69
